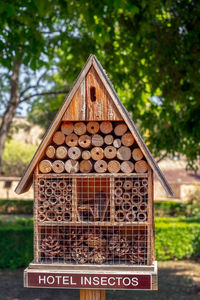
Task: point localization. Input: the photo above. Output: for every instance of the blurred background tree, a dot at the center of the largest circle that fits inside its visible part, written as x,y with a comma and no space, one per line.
150,50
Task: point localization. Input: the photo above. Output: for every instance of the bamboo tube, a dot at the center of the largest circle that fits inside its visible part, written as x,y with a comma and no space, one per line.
86,154
119,216
126,206
141,216
131,216
45,166
128,139
54,184
141,166
41,217
113,166
67,128
143,191
108,139
143,207
110,152
62,184
126,196
67,216
41,182
127,167
100,166
118,192
128,185
118,201
71,166
134,191
97,153
80,128
93,127
136,184
136,199
58,138
50,151
97,140
120,129
144,182
74,153
84,141
137,154
58,166
52,200
118,183
71,140
61,152
85,166
117,143
124,153
106,127
42,197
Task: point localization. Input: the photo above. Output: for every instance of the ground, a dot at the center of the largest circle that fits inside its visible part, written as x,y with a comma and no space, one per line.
179,280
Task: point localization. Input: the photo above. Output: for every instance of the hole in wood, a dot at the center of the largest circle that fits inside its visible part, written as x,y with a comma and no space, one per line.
93,94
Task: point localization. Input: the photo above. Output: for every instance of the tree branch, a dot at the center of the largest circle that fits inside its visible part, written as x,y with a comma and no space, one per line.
44,94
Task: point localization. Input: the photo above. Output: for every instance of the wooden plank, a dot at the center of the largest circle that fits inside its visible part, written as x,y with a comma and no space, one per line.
77,107
96,223
112,203
92,295
150,220
81,175
35,213
102,108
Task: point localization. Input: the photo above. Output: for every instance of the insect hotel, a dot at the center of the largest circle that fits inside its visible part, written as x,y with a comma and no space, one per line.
93,189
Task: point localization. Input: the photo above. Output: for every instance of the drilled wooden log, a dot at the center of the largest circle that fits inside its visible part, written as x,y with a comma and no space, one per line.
67,128
110,152
128,184
127,166
86,154
97,153
93,127
74,153
141,166
124,153
61,152
45,166
117,143
137,154
71,166
120,129
108,139
97,140
80,128
71,140
50,152
84,141
58,138
100,166
113,166
58,166
128,139
106,127
85,166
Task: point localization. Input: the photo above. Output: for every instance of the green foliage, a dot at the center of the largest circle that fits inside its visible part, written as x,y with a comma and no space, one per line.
16,245
16,157
169,208
177,240
16,206
193,205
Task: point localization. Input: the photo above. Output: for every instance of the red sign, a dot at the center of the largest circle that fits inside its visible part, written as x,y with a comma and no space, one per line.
89,281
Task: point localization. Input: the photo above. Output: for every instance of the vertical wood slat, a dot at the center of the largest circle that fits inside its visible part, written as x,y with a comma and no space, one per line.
76,110
36,227
103,108
92,295
149,226
74,200
112,203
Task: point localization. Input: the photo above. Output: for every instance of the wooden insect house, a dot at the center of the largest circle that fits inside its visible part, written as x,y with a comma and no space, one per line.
93,193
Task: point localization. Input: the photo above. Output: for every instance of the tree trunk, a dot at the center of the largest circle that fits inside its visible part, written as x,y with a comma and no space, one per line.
11,108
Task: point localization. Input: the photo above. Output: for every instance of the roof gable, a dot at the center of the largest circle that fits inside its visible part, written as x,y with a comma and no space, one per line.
108,108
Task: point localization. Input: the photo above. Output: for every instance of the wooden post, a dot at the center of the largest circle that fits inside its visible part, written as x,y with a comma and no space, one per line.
92,295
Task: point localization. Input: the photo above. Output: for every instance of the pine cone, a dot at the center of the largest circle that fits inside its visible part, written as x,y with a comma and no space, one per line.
97,256
137,255
93,239
50,247
80,254
118,246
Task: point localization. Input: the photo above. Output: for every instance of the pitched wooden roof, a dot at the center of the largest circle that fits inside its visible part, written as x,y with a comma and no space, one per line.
92,62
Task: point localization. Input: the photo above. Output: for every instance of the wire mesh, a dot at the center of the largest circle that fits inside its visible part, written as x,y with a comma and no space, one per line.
92,220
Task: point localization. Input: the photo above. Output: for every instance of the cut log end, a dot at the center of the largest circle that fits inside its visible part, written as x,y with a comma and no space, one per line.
71,140
108,139
61,152
50,151
141,166
93,127
85,166
97,140
120,129
117,143
137,154
124,153
86,154
113,166
127,167
74,153
58,138
71,166
45,166
80,128
67,128
110,152
106,127
100,166
128,139
97,153
58,166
